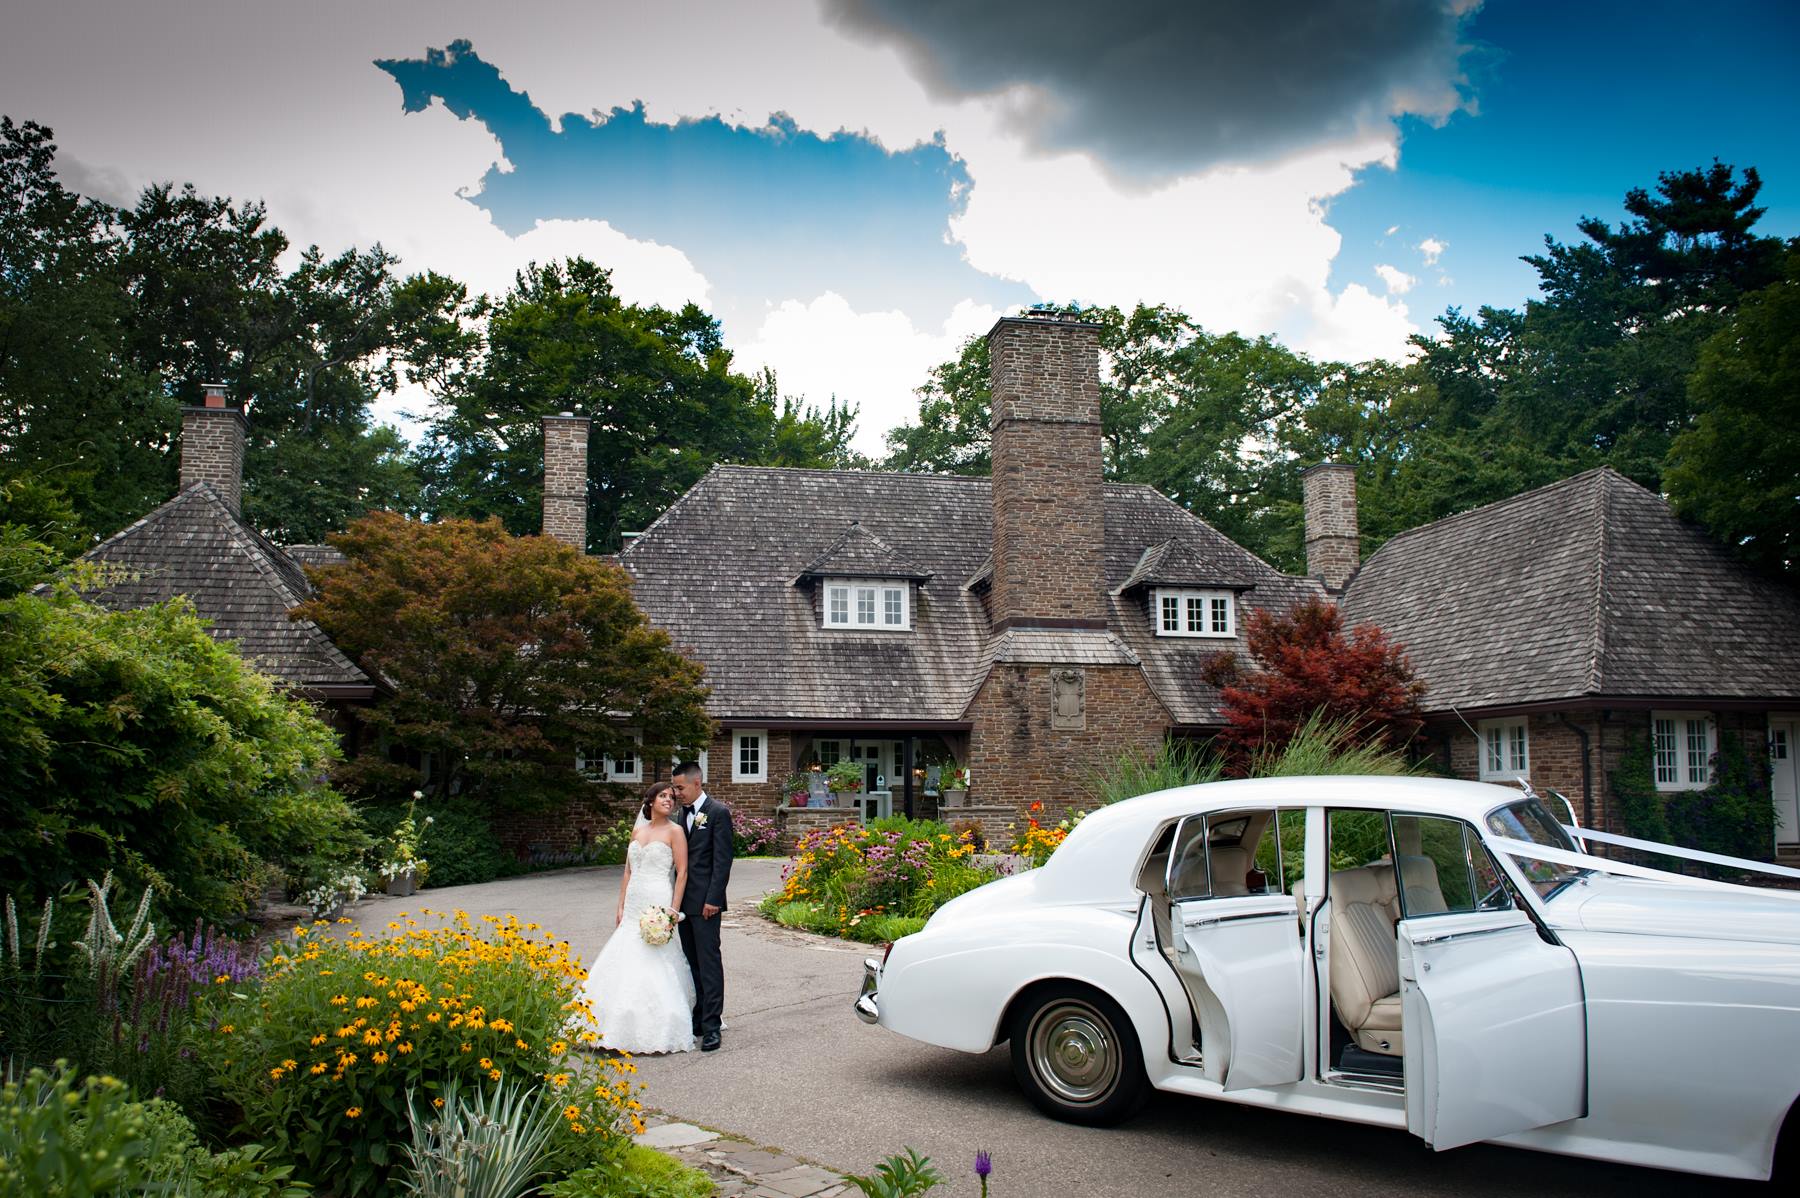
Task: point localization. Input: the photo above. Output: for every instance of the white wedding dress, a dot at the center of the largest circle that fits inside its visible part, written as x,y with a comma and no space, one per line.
642,996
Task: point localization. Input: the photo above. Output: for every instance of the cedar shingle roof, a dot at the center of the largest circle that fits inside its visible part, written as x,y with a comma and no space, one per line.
717,570
859,553
238,579
1586,588
1180,563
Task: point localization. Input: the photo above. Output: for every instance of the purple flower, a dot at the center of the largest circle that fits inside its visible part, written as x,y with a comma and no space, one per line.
984,1164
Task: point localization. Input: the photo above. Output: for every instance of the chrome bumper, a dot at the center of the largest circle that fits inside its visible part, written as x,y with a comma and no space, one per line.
866,1009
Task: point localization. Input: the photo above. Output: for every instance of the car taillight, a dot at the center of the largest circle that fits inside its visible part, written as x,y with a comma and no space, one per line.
885,952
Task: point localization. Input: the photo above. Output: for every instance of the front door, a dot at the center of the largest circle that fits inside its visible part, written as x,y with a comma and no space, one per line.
1494,1017
1237,944
1784,779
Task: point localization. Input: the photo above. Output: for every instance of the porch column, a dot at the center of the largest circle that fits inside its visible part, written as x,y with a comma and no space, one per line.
906,771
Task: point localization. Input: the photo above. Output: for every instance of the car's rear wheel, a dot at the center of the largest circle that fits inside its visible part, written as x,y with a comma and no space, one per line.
1076,1056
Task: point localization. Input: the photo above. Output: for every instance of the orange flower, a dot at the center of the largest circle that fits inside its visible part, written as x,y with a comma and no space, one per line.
354,1112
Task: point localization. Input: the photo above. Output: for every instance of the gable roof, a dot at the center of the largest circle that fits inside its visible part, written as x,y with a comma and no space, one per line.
242,582
859,553
717,570
1178,562
1587,588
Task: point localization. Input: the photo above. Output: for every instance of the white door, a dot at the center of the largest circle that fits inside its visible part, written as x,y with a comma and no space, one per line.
1237,948
1784,779
1496,1030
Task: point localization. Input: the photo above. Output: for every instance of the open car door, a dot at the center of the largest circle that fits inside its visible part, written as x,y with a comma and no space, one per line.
1237,947
1496,1025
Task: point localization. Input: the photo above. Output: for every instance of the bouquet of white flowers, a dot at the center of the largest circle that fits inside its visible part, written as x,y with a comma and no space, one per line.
657,924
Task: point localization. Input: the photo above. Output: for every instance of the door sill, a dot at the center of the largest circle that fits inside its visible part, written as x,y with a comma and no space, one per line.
1351,1080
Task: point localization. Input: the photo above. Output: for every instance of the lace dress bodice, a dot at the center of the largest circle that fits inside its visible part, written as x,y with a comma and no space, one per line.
652,878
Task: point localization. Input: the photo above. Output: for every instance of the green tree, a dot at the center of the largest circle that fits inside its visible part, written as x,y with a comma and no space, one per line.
658,385
133,741
1737,470
506,654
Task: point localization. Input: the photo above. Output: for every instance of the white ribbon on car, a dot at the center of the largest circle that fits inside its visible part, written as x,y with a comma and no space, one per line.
1537,852
1669,850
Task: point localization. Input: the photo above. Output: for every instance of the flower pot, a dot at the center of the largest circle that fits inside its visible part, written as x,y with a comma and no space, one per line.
956,798
797,801
403,885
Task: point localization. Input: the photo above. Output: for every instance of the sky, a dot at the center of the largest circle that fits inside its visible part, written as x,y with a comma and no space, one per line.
853,187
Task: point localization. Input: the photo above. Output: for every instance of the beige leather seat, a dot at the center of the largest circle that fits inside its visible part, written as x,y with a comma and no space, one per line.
1365,967
1230,866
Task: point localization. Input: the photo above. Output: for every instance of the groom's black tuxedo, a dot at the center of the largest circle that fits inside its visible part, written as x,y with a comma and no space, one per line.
708,874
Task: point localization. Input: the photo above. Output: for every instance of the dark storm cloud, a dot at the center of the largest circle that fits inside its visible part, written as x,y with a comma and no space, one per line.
1155,88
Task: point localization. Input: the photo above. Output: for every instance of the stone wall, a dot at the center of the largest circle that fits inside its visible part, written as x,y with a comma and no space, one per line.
566,479
1333,541
1049,519
1016,758
212,449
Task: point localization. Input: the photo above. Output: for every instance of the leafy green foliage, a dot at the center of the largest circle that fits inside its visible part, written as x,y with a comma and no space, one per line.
479,1144
1639,806
899,1176
507,655
1133,773
638,1173
1733,470
1734,816
134,742
877,882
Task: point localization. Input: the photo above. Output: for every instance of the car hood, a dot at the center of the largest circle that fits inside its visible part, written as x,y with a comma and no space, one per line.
1641,907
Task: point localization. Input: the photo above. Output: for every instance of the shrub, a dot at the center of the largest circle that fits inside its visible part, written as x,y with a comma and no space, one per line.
157,752
753,835
1176,763
463,848
1734,816
480,1144
638,1173
343,1028
869,883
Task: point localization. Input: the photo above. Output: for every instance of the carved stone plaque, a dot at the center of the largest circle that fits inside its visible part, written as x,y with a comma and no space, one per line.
1068,701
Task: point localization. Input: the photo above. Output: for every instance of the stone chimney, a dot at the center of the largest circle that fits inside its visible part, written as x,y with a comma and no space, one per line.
1333,544
566,478
212,446
1049,520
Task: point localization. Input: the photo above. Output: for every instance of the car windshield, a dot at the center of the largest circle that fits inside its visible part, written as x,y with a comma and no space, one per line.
1527,820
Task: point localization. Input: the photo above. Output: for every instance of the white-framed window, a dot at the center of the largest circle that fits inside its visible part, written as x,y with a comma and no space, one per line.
749,755
879,605
1181,612
628,766
1505,747
1682,744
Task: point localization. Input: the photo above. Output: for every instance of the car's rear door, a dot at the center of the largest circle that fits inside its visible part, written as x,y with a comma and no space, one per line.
1238,944
1494,1018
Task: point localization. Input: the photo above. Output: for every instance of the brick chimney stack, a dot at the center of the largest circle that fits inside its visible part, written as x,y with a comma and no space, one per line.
1333,541
1049,518
212,445
566,479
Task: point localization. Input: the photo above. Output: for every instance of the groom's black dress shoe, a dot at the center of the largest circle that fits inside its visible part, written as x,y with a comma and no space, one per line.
709,1042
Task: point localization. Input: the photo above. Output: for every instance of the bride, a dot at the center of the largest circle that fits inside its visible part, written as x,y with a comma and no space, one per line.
642,995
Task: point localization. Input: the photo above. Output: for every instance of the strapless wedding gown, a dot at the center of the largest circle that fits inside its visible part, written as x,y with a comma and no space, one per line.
642,996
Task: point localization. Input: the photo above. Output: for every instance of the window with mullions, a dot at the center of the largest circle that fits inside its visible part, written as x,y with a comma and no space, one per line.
1683,744
869,606
1194,613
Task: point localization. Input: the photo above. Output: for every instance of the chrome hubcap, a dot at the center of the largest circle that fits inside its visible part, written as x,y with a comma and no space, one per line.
1074,1053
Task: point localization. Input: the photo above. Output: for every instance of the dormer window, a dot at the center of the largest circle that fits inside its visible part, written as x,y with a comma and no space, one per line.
1185,612
878,605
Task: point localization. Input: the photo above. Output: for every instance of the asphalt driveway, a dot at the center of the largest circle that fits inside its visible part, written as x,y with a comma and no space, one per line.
799,1072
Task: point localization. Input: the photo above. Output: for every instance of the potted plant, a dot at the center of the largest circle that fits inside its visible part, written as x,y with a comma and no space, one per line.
795,790
953,785
403,871
338,890
846,778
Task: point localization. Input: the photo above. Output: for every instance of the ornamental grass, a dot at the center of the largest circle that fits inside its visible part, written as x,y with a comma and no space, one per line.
322,1056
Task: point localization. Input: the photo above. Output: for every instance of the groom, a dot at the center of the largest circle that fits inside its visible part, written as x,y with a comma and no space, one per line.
708,824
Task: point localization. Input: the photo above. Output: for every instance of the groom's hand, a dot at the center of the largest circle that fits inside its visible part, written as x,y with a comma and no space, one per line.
707,910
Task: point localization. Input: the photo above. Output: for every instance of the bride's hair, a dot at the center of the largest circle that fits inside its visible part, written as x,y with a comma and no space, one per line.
650,793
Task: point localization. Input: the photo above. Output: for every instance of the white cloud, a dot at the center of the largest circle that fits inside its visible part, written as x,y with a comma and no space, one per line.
1391,230
1398,281
1346,324
823,347
1431,249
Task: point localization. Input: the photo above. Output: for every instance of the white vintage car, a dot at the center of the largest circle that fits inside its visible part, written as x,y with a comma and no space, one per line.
1421,953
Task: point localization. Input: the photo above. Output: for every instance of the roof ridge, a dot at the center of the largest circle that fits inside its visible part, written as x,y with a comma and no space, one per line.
1602,534
846,471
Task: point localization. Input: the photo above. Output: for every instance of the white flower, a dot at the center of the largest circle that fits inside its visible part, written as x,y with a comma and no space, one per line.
700,819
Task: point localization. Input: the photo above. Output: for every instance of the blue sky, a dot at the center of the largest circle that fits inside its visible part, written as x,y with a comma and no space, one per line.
854,186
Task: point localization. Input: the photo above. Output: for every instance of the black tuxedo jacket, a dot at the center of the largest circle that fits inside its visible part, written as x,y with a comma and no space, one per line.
709,858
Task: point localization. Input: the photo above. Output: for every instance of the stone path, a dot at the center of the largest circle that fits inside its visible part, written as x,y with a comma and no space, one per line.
739,1168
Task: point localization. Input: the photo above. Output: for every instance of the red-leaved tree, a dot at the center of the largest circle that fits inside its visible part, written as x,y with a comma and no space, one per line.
1305,664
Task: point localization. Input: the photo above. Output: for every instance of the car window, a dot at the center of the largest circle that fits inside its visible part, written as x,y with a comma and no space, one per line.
1229,854
1444,868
